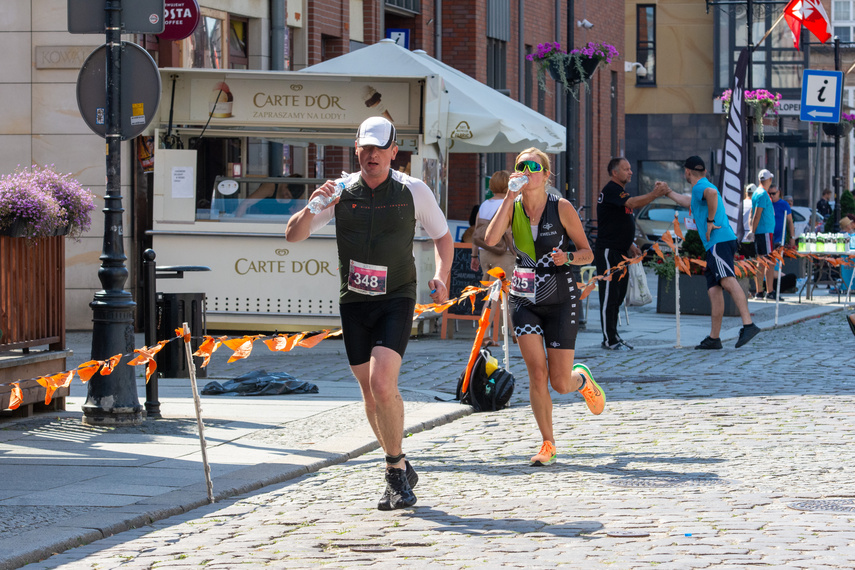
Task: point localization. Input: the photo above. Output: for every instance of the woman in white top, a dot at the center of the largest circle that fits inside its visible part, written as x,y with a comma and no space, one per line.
502,254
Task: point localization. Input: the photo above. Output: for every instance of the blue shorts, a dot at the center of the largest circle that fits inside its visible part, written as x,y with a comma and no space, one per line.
720,262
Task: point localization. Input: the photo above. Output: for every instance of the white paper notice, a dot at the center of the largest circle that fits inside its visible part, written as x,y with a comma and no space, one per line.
182,182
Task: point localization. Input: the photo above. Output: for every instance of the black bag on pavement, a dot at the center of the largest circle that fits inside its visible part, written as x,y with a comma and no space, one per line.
788,283
486,393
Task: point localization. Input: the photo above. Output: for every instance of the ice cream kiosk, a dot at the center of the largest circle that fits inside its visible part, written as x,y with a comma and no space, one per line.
216,205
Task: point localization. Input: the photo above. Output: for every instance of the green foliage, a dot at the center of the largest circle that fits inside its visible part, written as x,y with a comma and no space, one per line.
691,248
847,206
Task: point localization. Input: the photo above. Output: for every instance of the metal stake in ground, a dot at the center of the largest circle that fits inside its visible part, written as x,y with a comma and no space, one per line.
191,368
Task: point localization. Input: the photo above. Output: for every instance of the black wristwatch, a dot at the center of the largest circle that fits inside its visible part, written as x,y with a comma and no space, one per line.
709,221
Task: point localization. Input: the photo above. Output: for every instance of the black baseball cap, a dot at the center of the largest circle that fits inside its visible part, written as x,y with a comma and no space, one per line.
695,163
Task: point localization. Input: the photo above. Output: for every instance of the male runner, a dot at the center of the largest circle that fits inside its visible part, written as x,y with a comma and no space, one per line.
375,224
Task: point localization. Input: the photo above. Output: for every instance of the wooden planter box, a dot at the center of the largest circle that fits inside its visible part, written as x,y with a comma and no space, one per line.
32,318
694,299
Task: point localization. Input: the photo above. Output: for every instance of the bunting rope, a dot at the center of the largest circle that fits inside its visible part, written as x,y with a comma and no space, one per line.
242,346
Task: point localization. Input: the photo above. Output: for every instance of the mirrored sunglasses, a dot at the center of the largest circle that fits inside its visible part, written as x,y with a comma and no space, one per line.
529,165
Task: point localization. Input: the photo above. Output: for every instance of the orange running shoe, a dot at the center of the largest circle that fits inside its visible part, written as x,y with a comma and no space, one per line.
594,395
546,455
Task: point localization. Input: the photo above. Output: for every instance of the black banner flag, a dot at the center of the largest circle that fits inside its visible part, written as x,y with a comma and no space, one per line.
732,177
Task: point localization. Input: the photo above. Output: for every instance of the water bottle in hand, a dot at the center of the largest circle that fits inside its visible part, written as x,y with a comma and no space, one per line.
516,184
318,203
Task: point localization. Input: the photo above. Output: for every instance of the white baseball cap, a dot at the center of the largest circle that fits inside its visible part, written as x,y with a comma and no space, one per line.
375,131
764,175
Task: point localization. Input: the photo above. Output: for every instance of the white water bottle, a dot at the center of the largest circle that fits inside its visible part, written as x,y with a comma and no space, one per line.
516,184
318,203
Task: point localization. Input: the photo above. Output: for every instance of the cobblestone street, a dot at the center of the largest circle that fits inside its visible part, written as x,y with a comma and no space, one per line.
701,460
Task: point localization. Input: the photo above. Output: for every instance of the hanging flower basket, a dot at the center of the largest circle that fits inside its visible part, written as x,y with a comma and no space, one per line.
840,129
572,71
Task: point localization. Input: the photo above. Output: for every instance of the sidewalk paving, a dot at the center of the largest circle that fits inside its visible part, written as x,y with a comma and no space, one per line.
67,484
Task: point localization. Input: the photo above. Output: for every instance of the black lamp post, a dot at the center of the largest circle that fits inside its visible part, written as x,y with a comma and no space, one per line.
113,399
571,112
837,184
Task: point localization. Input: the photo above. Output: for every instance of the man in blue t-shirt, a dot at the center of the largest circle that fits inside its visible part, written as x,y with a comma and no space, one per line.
763,226
718,238
783,216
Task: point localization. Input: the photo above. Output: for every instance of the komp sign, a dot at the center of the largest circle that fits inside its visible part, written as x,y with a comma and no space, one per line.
180,19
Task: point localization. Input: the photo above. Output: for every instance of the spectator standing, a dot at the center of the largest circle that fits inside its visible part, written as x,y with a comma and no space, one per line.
719,241
825,205
376,218
502,254
615,235
783,219
746,246
763,226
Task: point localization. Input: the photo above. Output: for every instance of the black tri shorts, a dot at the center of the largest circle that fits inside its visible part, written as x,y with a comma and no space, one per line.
556,323
367,324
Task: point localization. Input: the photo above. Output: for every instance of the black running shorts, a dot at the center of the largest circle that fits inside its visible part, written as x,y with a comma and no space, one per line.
376,323
557,324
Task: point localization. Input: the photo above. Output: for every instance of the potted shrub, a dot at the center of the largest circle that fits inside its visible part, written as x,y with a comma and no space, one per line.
571,68
694,299
39,202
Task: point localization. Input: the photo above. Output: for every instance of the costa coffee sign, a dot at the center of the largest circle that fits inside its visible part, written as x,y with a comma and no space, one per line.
180,18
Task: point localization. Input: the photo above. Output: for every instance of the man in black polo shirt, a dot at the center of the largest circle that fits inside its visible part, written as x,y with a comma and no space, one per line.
615,235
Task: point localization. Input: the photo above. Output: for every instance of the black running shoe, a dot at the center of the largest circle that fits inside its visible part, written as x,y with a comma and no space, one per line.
746,333
772,296
709,344
398,493
760,295
412,476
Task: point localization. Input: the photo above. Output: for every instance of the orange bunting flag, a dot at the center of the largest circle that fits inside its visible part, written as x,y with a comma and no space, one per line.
242,348
699,262
281,343
179,332
209,346
497,272
683,265
790,253
678,231
51,383
669,241
109,365
88,369
313,340
16,398
145,354
587,290
150,367
655,247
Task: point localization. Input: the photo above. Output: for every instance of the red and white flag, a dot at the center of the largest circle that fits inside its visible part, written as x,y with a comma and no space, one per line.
812,15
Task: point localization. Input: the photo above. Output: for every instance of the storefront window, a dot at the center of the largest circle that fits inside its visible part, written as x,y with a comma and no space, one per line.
206,47
238,58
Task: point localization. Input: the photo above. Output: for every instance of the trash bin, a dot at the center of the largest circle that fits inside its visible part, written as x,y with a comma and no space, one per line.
174,309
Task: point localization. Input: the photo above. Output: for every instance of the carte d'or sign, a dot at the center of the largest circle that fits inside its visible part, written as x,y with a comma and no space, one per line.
269,103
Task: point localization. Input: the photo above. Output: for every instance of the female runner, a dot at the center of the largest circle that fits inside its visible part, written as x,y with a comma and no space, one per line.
544,293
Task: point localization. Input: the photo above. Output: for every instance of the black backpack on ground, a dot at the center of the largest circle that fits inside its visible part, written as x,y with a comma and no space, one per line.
486,393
